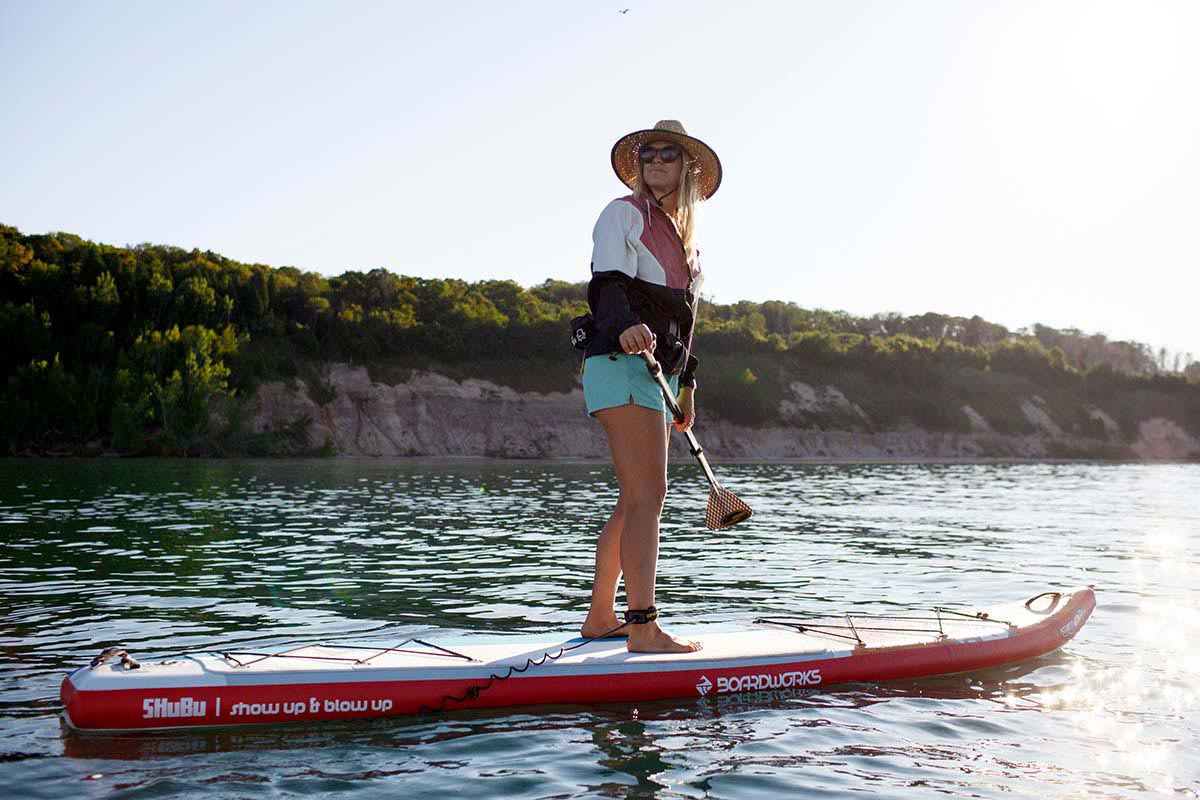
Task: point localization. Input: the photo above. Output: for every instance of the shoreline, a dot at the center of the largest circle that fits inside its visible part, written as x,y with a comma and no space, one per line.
431,416
602,460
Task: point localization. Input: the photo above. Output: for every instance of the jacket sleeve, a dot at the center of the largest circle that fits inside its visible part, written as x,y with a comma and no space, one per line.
608,299
688,377
614,266
614,239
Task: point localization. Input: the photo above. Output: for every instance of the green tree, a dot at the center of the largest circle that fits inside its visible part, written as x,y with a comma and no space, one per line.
165,382
41,406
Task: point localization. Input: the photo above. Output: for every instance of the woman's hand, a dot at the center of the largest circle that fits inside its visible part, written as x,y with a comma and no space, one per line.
687,404
637,339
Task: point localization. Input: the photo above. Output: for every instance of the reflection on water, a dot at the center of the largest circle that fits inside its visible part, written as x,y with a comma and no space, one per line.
163,556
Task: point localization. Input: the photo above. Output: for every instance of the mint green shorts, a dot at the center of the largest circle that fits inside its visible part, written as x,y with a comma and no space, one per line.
616,380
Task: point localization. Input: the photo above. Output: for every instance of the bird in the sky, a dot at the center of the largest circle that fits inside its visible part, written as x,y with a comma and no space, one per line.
623,11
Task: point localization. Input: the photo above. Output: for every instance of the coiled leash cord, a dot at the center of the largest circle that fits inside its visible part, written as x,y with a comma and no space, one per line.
632,617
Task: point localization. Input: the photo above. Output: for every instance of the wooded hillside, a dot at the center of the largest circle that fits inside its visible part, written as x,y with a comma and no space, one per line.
124,349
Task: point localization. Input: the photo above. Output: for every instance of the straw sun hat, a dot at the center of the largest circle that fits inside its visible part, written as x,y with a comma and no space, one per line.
706,166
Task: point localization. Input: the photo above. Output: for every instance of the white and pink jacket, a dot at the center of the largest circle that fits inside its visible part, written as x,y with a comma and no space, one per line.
640,274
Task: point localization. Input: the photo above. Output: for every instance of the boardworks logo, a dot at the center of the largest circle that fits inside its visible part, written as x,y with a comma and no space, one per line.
1068,630
162,708
754,682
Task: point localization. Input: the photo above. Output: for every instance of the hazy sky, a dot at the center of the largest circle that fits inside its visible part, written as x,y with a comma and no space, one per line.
1025,161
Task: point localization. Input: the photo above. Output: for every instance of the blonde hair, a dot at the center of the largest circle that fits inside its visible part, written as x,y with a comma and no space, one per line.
687,205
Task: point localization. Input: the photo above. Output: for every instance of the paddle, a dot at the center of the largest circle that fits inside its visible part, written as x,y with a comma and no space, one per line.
725,509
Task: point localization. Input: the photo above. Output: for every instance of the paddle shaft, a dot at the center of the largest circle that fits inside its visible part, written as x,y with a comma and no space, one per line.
656,370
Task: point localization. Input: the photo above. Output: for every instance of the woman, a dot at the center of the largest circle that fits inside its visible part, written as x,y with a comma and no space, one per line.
643,292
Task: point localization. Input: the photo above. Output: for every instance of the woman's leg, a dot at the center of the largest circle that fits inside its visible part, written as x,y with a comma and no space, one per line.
601,617
637,438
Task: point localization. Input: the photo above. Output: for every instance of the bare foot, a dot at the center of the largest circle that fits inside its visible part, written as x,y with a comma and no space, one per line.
650,638
603,626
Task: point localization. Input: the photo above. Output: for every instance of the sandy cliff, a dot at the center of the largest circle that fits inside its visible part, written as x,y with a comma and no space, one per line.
432,415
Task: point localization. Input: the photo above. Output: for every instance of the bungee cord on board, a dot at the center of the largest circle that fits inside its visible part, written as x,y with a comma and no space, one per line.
632,617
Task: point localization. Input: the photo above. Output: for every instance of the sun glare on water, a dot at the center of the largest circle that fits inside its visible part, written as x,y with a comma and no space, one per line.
1133,713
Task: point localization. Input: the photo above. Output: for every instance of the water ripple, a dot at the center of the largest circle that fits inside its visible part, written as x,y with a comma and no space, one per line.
162,556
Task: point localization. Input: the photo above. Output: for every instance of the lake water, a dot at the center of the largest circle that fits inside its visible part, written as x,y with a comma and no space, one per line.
165,556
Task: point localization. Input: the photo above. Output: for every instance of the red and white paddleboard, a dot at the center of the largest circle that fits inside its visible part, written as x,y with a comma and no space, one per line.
323,681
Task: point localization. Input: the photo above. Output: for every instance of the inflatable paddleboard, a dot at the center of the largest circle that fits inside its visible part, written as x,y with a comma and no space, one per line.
342,681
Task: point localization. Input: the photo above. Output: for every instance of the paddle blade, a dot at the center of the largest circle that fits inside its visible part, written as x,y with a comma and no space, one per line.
725,509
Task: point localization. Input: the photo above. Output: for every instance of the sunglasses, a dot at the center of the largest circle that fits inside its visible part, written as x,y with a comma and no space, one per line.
668,153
